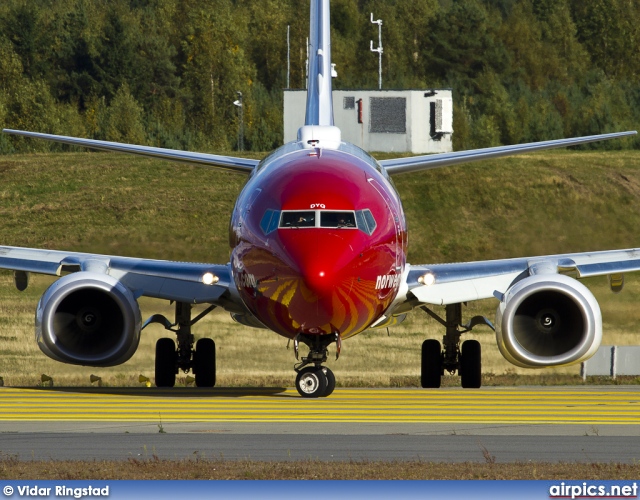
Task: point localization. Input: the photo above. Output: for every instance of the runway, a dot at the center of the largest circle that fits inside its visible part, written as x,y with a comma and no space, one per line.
531,423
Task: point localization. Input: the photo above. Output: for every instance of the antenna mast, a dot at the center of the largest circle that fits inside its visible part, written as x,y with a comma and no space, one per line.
378,50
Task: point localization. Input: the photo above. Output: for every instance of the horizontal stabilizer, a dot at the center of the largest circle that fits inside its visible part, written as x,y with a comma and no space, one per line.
201,159
426,162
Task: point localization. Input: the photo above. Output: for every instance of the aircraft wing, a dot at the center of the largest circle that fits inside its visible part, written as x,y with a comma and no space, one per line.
425,162
177,281
242,165
443,284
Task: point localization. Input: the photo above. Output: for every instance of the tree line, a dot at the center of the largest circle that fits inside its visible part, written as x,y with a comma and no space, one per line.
166,72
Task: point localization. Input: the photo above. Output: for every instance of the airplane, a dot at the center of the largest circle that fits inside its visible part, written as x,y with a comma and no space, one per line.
318,242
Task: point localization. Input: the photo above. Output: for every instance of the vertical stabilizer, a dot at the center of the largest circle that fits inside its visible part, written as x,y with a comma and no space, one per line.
319,131
319,101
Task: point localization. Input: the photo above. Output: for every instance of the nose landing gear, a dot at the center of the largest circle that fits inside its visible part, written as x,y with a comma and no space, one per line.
313,379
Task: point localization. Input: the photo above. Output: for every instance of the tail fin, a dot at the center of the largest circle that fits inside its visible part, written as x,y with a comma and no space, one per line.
319,101
318,130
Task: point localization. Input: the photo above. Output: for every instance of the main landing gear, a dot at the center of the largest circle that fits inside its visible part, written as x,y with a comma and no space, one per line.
467,361
169,360
313,379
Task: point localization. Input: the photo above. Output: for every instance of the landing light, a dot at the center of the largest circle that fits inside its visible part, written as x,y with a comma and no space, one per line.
210,279
427,279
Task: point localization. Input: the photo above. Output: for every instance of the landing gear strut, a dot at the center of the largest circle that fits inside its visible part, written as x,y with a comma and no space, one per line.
466,361
169,360
313,379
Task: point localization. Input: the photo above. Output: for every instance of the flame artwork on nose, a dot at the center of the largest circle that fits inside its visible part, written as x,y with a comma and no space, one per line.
329,261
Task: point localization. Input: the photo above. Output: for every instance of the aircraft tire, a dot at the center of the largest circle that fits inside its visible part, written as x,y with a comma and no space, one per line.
311,382
165,370
331,381
204,363
431,367
471,365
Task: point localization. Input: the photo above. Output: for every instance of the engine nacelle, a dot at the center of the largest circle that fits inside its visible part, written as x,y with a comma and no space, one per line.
88,319
548,320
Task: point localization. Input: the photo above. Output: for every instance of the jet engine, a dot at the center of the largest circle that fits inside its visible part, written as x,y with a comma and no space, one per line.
548,320
88,318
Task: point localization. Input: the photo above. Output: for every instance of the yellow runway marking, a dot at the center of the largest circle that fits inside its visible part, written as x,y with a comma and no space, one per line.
504,405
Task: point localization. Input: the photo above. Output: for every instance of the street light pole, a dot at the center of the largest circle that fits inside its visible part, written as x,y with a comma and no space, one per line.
378,50
238,104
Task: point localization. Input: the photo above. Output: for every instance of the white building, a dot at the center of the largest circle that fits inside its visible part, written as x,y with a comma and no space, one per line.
411,121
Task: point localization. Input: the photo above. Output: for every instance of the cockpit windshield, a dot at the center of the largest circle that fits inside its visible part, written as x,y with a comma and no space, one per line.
337,219
298,219
329,219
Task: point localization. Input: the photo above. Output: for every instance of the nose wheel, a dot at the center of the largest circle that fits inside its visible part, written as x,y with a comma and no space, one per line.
313,379
331,381
315,382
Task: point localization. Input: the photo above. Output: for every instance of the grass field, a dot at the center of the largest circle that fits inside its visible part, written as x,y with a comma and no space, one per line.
151,468
117,204
109,203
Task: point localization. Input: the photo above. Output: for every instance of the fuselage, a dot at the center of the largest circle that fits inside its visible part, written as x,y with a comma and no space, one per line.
318,241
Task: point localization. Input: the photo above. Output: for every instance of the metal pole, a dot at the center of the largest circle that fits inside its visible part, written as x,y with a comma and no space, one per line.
241,124
379,54
378,50
288,54
240,107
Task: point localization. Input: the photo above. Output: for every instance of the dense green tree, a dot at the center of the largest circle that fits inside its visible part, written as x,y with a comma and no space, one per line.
21,27
11,70
351,32
609,30
117,56
167,72
123,119
267,42
462,43
78,74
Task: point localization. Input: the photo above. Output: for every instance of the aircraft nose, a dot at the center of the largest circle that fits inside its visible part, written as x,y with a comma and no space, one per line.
322,265
319,278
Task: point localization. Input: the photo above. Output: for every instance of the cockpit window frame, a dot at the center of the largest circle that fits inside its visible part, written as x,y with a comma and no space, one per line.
370,221
303,214
350,213
270,221
362,220
317,219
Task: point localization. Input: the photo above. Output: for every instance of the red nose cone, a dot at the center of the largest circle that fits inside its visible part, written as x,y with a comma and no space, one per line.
318,280
322,265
